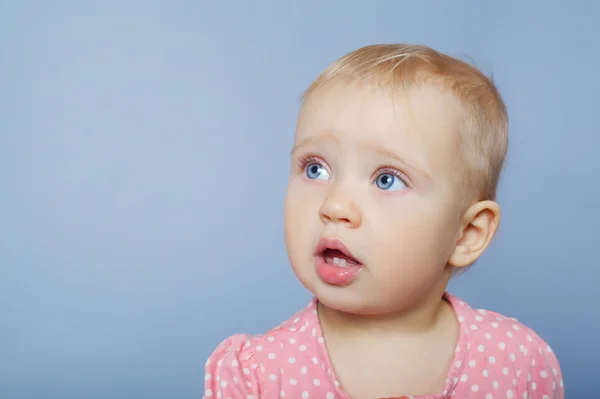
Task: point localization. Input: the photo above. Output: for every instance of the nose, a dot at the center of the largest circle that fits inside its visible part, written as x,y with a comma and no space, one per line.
340,208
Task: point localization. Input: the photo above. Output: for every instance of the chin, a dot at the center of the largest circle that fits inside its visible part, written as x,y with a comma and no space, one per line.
352,298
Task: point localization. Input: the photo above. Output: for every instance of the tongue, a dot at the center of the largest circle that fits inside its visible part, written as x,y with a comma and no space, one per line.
334,253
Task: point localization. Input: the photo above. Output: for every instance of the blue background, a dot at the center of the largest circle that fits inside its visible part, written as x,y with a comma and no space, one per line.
143,164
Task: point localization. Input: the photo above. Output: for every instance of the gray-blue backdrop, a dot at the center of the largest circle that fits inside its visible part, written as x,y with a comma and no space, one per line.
143,163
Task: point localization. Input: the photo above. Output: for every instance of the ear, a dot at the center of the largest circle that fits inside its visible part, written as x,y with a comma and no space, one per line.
478,227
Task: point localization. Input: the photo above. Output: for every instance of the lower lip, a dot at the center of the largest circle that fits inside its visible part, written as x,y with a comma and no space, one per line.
336,275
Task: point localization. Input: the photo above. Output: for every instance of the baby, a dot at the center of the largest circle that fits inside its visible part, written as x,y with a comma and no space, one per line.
398,151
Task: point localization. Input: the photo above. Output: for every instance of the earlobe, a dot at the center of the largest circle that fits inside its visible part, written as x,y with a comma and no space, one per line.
478,228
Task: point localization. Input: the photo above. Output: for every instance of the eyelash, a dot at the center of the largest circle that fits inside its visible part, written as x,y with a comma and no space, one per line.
305,160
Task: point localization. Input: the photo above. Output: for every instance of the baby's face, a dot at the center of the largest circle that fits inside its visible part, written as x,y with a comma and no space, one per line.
377,174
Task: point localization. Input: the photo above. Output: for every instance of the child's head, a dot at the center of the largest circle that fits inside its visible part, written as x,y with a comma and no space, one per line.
398,151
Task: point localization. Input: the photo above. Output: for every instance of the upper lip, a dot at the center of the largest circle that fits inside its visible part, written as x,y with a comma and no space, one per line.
333,243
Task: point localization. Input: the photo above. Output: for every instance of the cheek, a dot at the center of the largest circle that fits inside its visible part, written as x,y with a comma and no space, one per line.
301,212
413,235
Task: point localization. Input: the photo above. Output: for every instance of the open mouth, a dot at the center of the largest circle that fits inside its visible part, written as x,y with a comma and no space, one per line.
335,264
338,258
334,252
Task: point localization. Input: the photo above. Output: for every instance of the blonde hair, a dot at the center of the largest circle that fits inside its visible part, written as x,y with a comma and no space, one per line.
484,118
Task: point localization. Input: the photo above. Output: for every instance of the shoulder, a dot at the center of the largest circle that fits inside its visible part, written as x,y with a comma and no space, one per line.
229,369
511,348
238,365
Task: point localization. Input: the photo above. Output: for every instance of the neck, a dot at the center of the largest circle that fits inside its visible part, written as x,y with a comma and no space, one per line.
421,317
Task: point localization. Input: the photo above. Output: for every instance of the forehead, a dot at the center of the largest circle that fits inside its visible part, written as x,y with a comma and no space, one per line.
419,123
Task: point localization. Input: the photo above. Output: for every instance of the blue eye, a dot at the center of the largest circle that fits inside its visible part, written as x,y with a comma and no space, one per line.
389,182
315,171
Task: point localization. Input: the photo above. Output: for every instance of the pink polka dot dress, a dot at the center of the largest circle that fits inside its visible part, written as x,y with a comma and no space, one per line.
496,357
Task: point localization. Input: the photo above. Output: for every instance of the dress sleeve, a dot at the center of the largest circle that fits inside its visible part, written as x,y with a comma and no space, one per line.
231,371
542,377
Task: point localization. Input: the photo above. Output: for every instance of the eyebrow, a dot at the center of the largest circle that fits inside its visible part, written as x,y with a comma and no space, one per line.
417,170
313,140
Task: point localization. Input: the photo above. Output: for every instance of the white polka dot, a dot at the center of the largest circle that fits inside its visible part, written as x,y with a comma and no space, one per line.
235,380
510,334
250,397
315,360
475,388
525,395
529,339
207,377
478,318
509,393
330,395
474,327
249,384
505,371
273,377
293,381
246,371
485,372
495,384
296,320
314,332
292,360
488,336
458,363
472,363
492,360
271,356
533,386
302,348
270,339
304,395
548,349
336,383
516,327
316,382
489,396
544,374
495,325
304,370
258,348
502,345
464,378
292,341
282,394
302,329
208,393
555,372
223,384
481,348
320,340
545,397
561,383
